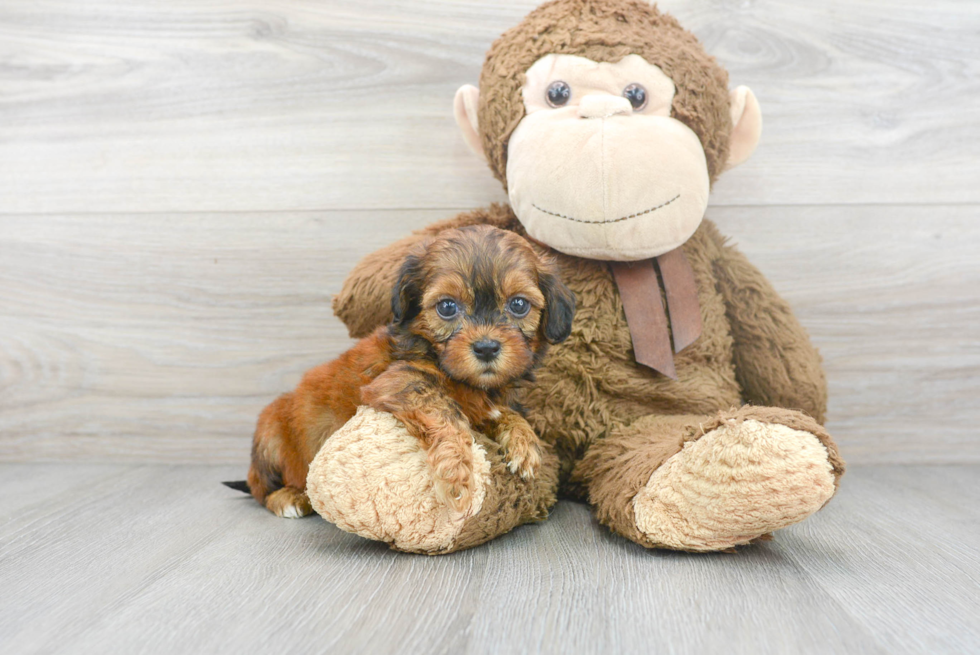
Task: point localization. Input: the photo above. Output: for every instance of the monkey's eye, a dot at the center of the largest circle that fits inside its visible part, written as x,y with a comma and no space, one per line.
558,94
447,308
637,96
518,306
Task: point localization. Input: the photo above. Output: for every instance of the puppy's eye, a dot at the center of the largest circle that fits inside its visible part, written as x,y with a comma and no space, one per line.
558,94
518,306
447,308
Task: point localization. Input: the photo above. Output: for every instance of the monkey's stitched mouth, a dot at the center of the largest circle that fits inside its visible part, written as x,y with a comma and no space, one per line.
615,220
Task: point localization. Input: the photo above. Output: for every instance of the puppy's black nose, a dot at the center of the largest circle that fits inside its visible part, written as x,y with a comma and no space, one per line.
486,350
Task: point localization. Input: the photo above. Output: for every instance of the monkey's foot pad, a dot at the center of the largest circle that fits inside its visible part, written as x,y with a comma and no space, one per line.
372,478
736,483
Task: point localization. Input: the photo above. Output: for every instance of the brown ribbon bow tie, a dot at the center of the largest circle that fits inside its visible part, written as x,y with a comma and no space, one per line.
640,291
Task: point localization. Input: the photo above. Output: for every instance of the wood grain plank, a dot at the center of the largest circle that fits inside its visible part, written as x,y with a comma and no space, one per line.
304,587
913,531
160,559
139,338
76,556
215,106
859,99
585,590
23,487
125,575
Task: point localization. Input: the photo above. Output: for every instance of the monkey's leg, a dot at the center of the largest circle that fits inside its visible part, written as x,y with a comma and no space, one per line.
373,478
707,483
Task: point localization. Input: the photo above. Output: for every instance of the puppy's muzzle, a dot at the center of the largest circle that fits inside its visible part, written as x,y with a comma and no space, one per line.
486,350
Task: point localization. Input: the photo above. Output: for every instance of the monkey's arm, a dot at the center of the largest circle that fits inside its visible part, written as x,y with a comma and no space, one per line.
364,301
775,363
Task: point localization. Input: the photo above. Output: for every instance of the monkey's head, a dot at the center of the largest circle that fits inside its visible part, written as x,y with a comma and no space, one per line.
607,123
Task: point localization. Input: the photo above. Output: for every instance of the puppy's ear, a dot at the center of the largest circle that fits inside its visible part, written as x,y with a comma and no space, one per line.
406,297
559,308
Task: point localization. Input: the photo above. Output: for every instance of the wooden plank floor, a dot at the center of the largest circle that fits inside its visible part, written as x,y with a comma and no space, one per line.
162,559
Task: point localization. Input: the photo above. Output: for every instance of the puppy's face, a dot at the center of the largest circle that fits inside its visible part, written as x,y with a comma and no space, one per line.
486,302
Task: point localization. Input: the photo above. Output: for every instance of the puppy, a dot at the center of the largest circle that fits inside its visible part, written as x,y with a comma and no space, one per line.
474,311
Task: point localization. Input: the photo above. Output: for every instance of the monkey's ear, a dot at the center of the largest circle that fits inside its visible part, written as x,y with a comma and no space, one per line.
406,297
465,110
559,308
746,126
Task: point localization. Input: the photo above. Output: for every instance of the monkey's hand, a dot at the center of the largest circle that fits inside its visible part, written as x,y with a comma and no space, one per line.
372,478
364,301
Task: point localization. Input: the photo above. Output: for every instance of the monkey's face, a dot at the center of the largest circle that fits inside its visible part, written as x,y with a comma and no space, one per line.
600,164
598,167
486,302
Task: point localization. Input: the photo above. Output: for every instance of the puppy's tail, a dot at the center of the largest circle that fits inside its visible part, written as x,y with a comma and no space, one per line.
238,485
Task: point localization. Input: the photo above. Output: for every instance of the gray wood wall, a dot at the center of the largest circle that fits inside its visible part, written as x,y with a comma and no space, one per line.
183,186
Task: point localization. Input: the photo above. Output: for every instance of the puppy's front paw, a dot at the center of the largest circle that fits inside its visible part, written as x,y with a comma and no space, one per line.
452,472
523,450
289,503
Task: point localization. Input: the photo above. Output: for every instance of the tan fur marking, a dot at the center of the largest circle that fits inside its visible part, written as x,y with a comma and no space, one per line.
519,283
447,285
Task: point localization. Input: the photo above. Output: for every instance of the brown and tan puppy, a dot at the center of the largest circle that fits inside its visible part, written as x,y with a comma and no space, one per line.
474,310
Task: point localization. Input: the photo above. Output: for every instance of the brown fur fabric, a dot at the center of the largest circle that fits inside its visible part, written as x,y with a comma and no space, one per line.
604,31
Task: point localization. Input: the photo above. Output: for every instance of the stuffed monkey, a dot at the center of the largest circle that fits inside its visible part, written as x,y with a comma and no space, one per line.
687,405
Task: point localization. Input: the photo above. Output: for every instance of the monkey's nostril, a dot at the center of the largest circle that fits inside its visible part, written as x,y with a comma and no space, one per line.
486,350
